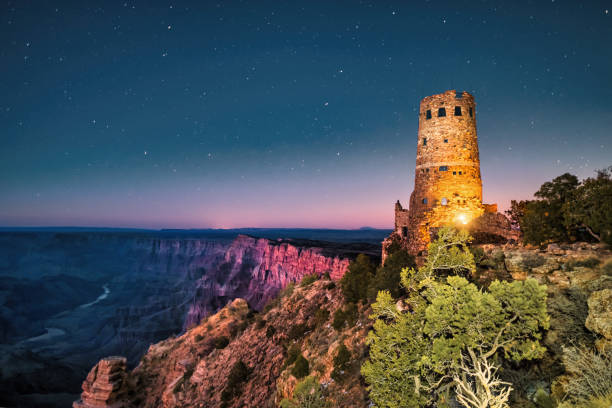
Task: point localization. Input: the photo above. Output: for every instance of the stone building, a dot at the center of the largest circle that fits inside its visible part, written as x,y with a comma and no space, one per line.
447,182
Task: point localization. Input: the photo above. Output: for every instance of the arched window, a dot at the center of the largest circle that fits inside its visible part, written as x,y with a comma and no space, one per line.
425,201
404,231
444,201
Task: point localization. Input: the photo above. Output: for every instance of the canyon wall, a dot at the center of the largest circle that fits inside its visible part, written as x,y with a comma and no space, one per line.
157,287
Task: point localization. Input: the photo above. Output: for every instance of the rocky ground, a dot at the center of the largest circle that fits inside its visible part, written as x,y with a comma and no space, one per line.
194,370
199,368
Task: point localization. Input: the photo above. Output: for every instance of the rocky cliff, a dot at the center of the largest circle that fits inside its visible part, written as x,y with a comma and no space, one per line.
106,294
255,270
238,358
198,368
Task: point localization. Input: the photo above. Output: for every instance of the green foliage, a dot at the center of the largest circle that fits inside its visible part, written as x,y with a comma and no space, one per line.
590,207
238,374
292,354
449,254
355,281
297,331
387,276
220,342
342,361
342,358
590,262
347,315
590,375
321,316
516,212
307,394
451,330
309,279
300,367
543,400
566,209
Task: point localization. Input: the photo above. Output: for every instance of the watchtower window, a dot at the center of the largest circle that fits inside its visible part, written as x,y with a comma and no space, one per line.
424,141
428,114
444,201
458,95
454,173
427,170
459,173
443,168
471,113
445,140
441,112
457,110
424,201
404,231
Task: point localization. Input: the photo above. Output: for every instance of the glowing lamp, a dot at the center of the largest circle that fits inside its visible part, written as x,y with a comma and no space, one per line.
462,218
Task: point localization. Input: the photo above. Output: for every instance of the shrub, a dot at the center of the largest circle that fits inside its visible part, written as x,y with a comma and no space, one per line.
260,324
339,320
607,267
220,342
307,394
270,331
347,315
387,276
198,337
308,280
342,358
590,262
342,361
531,261
357,278
238,374
591,374
297,331
300,367
543,400
292,354
321,316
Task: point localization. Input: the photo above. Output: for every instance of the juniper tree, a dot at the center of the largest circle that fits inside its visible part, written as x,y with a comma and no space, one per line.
445,334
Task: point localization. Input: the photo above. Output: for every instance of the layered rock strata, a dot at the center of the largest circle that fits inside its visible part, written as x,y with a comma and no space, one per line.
105,385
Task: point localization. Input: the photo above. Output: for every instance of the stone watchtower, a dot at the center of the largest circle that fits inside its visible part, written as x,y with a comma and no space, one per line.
447,183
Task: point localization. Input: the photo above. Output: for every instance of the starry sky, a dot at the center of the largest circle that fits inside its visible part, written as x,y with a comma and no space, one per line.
174,114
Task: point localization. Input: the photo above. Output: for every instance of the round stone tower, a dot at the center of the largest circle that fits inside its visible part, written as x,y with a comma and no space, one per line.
447,183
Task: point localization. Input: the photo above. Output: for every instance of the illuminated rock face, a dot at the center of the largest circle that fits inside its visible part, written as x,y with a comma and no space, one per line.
447,183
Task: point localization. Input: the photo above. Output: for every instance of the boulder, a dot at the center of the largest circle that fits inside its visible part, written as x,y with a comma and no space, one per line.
599,319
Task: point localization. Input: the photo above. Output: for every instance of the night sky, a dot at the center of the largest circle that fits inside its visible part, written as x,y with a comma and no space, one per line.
284,113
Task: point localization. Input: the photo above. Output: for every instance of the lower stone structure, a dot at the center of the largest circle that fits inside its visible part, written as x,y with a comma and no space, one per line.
414,232
105,385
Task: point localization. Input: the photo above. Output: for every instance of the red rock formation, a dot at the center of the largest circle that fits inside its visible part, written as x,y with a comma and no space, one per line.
105,385
256,269
193,370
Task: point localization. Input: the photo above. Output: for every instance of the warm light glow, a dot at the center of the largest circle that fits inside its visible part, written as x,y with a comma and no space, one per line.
462,218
